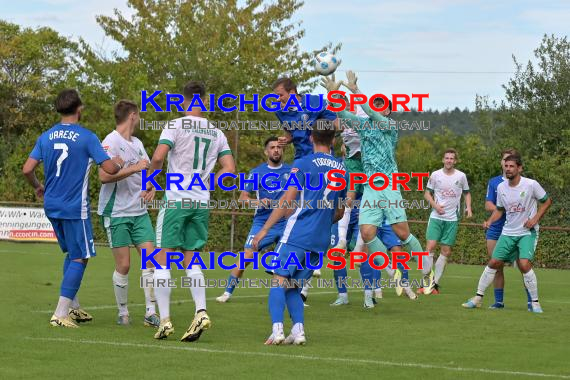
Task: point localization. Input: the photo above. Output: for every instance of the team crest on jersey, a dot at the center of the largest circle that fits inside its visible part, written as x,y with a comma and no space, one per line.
456,183
523,193
516,208
285,176
305,117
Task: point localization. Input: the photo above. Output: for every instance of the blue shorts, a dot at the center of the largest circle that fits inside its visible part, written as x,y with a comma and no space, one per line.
273,235
493,233
75,237
385,233
284,250
334,234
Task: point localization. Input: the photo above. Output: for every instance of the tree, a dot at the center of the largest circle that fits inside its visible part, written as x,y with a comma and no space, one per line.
233,48
34,65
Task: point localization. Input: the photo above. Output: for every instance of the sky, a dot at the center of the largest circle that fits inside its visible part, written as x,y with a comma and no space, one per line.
451,49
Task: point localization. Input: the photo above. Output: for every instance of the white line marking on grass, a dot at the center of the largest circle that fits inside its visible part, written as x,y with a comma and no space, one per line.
304,357
103,307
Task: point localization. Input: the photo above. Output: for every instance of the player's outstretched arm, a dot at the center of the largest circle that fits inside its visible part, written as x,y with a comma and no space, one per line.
373,115
105,177
29,171
113,166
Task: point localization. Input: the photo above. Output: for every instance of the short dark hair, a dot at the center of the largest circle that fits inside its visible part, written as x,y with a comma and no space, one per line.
323,132
123,109
194,87
287,84
516,158
509,151
270,139
451,150
382,100
67,102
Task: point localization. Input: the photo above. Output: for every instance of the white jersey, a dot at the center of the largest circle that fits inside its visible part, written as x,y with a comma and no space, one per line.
122,198
351,141
195,146
447,191
520,204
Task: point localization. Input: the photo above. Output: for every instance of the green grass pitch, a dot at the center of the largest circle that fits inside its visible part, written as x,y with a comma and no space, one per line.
431,338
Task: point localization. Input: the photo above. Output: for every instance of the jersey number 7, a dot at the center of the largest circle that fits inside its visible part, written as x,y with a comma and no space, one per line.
62,157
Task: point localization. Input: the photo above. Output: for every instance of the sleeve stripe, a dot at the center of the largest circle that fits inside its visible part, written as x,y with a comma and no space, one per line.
224,153
166,142
500,208
544,199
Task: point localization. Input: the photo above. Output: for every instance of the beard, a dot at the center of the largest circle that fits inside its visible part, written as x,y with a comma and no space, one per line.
275,160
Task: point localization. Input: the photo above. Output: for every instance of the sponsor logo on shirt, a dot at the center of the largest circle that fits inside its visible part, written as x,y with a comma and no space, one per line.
516,208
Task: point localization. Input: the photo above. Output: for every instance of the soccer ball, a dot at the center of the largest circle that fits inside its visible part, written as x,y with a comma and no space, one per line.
326,63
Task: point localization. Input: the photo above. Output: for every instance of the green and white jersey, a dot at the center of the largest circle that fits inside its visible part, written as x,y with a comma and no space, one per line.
377,145
351,141
520,204
195,146
122,198
447,190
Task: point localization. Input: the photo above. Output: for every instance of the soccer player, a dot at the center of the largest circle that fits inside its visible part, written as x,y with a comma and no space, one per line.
68,151
193,146
121,215
518,198
378,155
299,134
494,232
307,233
443,193
274,153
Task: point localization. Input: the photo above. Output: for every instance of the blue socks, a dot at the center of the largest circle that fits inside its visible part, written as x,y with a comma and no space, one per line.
339,276
404,271
295,305
277,304
66,263
499,295
72,279
367,274
232,282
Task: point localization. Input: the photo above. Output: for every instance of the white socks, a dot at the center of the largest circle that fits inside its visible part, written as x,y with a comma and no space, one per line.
359,247
297,329
343,225
531,284
486,279
198,287
162,292
75,303
62,309
147,275
305,290
440,267
427,263
121,288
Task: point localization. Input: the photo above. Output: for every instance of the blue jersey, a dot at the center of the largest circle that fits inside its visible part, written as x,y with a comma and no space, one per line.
67,151
262,214
310,228
492,197
300,134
